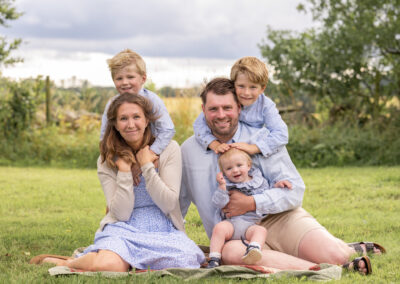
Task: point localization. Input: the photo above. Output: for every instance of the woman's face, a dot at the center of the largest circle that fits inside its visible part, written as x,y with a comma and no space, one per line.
131,124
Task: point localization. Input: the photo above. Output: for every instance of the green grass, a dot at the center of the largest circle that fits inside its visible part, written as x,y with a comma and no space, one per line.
45,210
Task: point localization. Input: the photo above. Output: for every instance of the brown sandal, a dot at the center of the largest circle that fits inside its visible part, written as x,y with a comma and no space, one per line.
356,267
39,258
369,248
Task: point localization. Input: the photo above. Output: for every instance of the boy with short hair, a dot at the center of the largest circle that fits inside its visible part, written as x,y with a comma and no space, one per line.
128,71
250,76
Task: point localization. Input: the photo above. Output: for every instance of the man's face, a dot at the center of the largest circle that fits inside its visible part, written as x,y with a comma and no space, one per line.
222,115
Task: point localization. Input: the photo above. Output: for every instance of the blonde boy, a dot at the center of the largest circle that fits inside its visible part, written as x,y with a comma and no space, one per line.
250,76
128,71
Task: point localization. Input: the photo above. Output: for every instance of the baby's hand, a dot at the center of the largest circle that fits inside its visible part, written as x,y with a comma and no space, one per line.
250,149
283,184
221,181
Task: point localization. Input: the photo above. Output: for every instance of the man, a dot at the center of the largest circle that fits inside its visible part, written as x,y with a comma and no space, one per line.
295,240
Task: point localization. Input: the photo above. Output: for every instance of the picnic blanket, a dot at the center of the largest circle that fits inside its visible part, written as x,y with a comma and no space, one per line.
324,272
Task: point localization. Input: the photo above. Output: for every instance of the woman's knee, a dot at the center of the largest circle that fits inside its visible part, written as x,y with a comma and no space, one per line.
109,261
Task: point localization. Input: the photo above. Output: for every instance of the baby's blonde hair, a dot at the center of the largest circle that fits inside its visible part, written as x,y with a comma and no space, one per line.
125,58
232,151
254,69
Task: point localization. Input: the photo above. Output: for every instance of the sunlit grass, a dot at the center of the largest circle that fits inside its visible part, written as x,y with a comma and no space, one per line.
44,210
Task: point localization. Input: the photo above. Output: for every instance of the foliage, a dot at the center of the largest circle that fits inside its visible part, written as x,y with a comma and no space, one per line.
8,13
351,62
18,107
58,210
343,144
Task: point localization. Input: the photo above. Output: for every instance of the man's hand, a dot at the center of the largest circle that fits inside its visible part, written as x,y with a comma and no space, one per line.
250,149
239,204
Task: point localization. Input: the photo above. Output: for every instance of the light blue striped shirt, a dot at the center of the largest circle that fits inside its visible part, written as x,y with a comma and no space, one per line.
162,129
199,184
262,114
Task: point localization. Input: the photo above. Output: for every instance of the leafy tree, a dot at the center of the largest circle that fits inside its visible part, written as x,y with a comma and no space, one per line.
351,62
8,13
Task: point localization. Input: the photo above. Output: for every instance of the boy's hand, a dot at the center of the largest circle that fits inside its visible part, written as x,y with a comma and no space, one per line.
145,155
218,147
222,148
250,149
283,184
213,145
221,181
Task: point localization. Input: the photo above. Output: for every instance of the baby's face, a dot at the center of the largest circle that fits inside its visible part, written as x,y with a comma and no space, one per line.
246,90
128,81
236,168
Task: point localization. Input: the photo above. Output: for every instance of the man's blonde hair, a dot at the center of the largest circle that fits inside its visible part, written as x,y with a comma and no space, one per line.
254,69
232,151
125,58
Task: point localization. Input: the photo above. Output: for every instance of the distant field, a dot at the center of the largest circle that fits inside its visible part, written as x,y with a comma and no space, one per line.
183,112
45,210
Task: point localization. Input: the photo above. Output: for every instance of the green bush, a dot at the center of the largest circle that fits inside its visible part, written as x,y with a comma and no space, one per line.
51,146
342,144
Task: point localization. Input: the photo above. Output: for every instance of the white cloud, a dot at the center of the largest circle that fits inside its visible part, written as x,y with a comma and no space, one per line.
183,41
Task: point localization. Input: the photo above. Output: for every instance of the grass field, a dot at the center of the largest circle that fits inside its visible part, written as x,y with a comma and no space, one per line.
45,210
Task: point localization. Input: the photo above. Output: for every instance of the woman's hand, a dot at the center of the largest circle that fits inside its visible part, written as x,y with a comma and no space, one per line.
145,155
122,165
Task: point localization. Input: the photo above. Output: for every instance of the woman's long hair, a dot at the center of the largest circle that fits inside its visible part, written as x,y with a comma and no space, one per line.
113,144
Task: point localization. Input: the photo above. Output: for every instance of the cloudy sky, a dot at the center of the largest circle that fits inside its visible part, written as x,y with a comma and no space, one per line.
182,41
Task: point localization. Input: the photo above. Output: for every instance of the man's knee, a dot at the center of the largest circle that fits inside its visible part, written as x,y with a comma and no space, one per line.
232,252
320,246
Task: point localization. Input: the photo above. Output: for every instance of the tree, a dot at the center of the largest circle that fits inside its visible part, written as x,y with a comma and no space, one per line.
8,13
351,62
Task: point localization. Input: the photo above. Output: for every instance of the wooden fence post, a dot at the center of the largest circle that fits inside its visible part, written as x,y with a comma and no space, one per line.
48,101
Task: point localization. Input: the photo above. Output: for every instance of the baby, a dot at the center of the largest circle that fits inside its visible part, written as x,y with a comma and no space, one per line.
236,166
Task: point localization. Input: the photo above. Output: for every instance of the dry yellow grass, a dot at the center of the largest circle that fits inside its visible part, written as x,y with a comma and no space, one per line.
183,111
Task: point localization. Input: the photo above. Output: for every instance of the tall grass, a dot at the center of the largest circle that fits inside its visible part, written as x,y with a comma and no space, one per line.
183,111
67,145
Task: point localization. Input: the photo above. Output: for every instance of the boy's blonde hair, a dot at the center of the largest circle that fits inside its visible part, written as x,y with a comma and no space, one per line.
254,69
125,58
230,153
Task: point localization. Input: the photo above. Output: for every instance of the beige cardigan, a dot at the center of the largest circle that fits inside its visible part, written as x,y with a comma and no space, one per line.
163,187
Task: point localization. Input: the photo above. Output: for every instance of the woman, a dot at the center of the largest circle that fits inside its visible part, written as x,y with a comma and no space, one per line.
144,226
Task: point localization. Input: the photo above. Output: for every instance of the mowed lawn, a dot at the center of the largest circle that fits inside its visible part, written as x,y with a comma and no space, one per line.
47,210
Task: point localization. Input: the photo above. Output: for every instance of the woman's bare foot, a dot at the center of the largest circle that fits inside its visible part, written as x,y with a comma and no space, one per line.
56,261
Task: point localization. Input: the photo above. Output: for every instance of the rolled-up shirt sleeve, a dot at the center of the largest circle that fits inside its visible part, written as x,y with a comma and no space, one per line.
275,168
202,132
220,198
